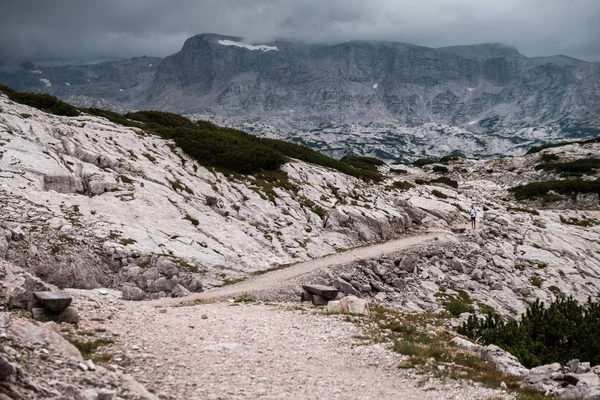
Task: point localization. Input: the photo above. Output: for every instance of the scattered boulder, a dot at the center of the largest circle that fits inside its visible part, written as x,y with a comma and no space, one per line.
354,305
347,288
409,263
131,292
180,291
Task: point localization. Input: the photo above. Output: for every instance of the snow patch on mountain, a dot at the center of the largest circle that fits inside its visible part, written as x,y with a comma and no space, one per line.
46,81
262,47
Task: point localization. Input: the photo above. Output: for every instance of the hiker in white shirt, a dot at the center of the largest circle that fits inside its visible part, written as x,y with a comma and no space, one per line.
473,216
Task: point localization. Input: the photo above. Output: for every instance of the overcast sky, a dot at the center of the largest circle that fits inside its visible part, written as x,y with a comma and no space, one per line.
38,29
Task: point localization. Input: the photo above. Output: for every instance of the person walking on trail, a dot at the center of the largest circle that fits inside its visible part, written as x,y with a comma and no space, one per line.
473,213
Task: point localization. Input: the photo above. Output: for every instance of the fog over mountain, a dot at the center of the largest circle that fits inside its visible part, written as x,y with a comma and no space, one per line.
38,29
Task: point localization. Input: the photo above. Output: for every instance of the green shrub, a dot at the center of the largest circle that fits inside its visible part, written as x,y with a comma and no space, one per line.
523,209
440,169
41,101
448,158
193,220
402,185
422,162
563,331
569,187
438,194
549,157
368,163
446,181
576,167
536,281
537,149
420,181
584,221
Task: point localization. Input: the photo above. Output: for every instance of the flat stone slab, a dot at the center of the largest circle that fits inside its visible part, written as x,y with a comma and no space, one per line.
326,292
458,230
53,301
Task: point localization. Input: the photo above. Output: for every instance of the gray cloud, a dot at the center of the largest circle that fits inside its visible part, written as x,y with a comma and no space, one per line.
38,29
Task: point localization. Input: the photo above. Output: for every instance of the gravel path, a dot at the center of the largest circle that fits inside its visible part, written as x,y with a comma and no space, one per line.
225,350
266,286
258,351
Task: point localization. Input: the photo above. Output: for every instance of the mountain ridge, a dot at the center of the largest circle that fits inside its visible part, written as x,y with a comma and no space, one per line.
295,88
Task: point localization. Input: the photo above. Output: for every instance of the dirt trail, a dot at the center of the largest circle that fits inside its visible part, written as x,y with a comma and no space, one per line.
230,351
276,281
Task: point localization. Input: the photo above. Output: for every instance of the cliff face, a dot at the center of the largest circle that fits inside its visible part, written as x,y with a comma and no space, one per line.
368,80
289,89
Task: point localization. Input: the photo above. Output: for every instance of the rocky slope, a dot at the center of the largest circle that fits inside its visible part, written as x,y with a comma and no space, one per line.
384,89
88,203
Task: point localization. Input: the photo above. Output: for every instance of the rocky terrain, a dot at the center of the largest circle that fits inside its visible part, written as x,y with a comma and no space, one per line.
380,94
115,214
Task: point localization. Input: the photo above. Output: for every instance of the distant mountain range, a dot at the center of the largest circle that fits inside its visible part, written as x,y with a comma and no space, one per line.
292,87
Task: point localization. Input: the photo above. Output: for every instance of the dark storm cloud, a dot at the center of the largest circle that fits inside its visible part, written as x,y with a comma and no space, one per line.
89,28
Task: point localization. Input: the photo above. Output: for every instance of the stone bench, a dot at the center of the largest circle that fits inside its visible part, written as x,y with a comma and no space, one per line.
53,301
319,295
55,306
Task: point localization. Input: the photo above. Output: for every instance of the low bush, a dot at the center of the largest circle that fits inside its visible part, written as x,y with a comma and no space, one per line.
584,221
446,181
523,209
440,169
41,101
401,185
423,161
576,167
439,194
549,157
537,149
563,331
570,187
369,163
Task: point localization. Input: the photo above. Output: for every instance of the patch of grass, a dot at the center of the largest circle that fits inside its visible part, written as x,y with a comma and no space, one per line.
536,281
177,185
446,181
576,167
87,348
537,149
244,300
568,187
421,162
440,169
549,157
584,221
522,210
193,220
149,157
125,179
41,101
127,241
66,238
439,194
400,185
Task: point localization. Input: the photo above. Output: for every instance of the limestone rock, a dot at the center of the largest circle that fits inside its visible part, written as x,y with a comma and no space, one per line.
334,307
179,291
3,245
354,305
408,263
131,292
6,369
347,288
